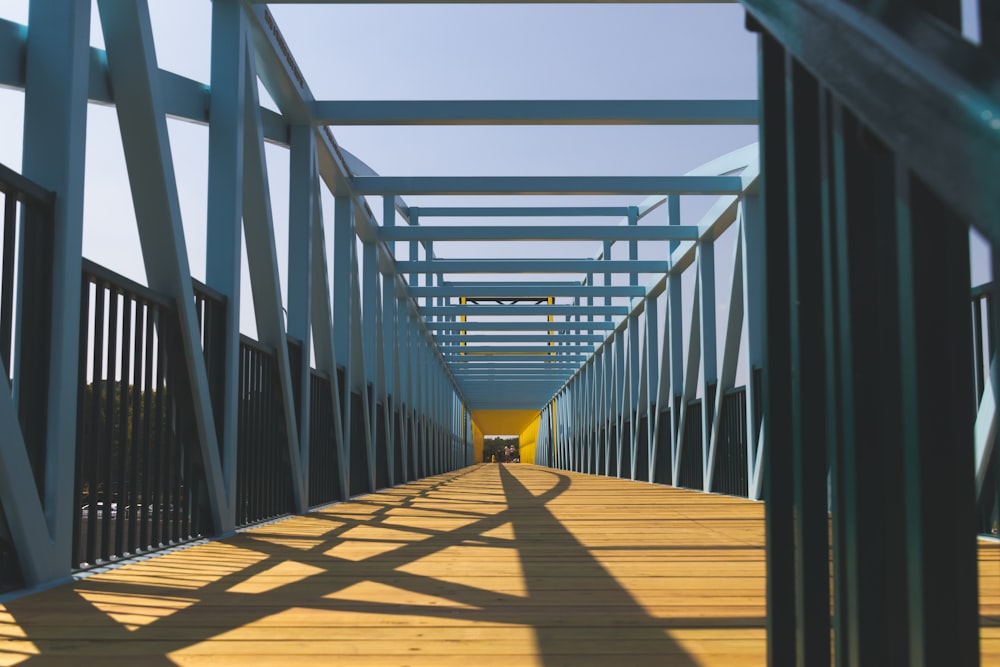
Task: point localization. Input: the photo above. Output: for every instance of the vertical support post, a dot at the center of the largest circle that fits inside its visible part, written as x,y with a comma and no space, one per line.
778,491
55,131
673,356
809,332
225,217
128,36
753,295
301,198
938,476
709,349
343,280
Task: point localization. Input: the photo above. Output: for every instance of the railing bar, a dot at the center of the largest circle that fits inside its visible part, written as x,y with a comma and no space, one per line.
135,436
124,442
13,183
93,483
206,292
159,431
148,435
109,418
7,293
126,286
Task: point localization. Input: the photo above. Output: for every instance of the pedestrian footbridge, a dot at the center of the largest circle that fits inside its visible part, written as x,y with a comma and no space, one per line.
755,398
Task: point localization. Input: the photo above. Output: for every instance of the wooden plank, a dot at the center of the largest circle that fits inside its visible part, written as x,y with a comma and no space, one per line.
491,565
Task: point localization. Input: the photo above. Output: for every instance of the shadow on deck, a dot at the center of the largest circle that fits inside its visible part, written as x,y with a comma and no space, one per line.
492,565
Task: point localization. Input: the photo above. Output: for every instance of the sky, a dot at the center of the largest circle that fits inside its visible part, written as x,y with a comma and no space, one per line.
409,52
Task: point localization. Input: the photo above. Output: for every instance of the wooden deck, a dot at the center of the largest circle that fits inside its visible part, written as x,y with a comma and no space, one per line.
492,565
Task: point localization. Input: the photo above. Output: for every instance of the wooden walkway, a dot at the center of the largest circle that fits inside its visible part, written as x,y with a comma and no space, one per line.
492,565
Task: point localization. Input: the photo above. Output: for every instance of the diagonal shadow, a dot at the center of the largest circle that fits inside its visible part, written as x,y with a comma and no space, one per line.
557,570
549,551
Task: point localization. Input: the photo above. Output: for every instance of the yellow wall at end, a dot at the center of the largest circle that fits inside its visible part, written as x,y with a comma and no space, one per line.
523,423
477,443
529,438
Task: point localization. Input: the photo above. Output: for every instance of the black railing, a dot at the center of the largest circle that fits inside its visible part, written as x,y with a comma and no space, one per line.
663,471
263,480
139,481
691,475
324,464
358,447
729,474
210,307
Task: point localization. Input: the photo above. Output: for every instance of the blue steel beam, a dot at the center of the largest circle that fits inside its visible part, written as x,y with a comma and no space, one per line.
526,290
508,325
497,366
478,2
540,112
508,358
515,291
465,350
546,185
183,98
520,338
519,211
55,103
530,266
540,309
540,233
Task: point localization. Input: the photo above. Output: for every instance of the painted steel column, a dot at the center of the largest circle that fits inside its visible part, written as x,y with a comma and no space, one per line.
938,474
673,357
262,263
807,354
753,324
54,154
301,198
224,222
343,279
128,37
709,349
323,332
369,343
653,388
781,622
390,342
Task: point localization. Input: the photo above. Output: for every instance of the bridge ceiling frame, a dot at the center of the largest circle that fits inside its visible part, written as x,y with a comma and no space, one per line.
404,346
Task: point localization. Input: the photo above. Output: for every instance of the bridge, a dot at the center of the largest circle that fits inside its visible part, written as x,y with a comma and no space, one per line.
755,398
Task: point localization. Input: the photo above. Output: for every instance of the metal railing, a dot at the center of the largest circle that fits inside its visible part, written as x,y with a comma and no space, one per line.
25,326
263,478
325,484
139,481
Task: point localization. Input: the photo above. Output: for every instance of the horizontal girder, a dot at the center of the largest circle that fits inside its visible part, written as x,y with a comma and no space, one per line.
541,233
535,112
508,325
540,309
512,291
532,266
546,185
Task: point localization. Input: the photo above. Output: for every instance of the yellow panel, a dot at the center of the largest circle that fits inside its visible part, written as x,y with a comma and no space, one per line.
503,422
477,443
529,436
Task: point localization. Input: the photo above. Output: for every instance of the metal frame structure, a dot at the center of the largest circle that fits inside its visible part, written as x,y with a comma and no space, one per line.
409,363
855,360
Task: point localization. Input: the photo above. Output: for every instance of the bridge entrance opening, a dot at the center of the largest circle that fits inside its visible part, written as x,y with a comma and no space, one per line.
501,449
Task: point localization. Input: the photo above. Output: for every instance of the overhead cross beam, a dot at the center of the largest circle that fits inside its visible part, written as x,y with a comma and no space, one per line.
542,112
532,266
540,233
546,185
